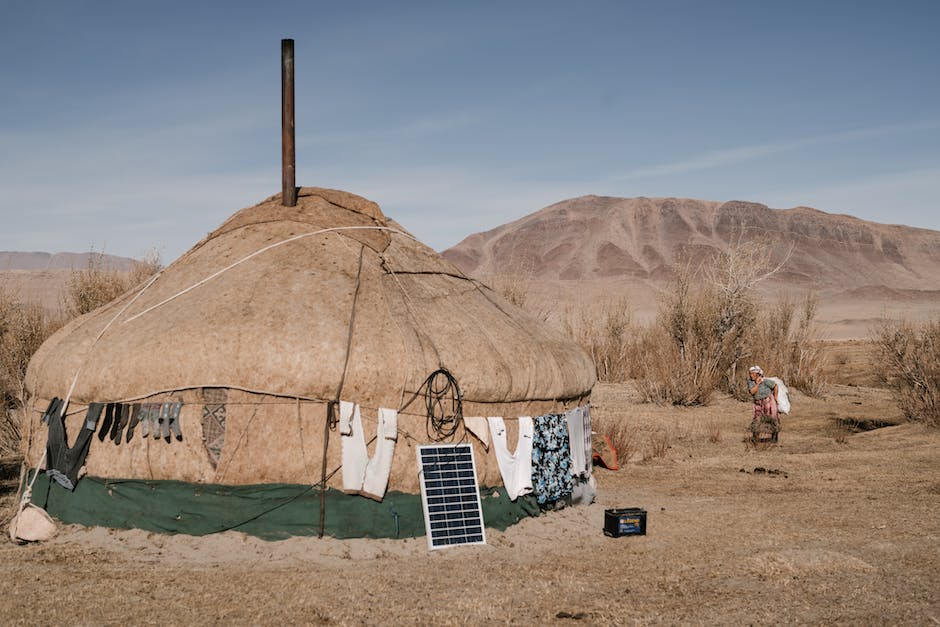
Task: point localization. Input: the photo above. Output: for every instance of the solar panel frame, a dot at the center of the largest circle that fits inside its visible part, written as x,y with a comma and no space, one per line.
450,497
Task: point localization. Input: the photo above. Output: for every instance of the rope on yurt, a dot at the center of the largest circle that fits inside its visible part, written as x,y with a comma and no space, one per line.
331,417
27,493
438,387
409,305
258,252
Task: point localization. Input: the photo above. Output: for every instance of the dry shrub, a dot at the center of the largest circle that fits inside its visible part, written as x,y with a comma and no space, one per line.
792,349
658,443
143,269
838,432
909,356
512,287
623,434
699,333
97,285
610,338
23,327
713,431
713,323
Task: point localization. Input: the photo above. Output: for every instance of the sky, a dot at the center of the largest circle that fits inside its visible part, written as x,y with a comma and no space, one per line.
134,125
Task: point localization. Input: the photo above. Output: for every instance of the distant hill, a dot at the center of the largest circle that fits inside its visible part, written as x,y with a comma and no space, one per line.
596,248
60,261
597,237
42,277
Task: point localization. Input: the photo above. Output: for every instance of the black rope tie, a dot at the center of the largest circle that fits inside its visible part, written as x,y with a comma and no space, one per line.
444,405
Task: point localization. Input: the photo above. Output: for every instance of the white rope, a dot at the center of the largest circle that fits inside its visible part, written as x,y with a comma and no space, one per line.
258,252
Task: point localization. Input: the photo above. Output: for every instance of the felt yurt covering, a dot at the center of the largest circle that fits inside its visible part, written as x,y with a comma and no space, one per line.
272,316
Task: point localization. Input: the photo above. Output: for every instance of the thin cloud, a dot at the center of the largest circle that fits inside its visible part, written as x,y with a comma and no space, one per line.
743,154
410,130
908,197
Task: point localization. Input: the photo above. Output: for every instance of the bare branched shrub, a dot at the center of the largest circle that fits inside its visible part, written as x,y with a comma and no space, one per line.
97,285
909,355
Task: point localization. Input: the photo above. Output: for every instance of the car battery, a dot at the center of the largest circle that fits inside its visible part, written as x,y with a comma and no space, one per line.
630,521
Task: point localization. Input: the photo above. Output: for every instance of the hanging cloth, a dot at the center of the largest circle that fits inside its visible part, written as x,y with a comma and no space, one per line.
551,459
64,463
515,468
362,475
478,427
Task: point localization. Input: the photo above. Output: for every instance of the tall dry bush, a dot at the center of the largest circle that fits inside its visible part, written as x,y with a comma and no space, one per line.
23,327
713,324
609,335
788,346
96,284
909,355
700,333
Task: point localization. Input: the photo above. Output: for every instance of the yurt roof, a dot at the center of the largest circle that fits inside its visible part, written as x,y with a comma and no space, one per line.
326,297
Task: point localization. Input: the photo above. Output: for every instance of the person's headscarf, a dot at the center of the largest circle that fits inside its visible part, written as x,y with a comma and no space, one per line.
756,369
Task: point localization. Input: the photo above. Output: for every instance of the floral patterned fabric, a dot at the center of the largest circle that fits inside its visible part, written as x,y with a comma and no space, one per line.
551,459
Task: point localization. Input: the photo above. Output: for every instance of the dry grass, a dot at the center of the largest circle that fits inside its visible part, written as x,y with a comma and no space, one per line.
799,356
909,355
711,326
658,443
97,285
713,431
610,337
624,436
23,327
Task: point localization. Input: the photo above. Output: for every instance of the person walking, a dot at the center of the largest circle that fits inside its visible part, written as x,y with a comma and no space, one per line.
764,392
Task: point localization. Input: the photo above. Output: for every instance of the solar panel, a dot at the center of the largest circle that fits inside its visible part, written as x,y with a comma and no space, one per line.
449,494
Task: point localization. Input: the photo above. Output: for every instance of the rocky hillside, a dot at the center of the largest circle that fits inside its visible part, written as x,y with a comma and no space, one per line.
595,237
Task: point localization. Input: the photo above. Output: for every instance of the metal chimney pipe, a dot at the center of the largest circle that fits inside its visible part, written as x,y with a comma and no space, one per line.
288,181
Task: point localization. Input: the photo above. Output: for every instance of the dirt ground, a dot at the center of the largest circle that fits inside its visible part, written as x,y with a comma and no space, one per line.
836,525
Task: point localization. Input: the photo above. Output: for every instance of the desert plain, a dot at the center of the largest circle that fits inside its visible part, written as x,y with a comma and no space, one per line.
838,524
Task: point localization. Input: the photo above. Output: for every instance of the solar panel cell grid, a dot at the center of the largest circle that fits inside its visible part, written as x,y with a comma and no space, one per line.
450,495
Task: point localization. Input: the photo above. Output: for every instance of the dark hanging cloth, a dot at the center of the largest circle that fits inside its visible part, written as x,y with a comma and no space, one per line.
55,406
108,421
124,413
62,462
135,418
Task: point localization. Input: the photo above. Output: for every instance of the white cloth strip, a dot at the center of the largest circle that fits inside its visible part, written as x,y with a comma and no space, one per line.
515,468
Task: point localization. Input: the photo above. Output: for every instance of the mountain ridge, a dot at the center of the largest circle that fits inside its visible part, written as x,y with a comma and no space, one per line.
599,237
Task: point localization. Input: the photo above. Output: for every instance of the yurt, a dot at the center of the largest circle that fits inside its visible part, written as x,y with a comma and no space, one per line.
280,376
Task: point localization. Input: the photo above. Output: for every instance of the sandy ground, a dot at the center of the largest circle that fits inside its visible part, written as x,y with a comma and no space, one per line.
829,527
